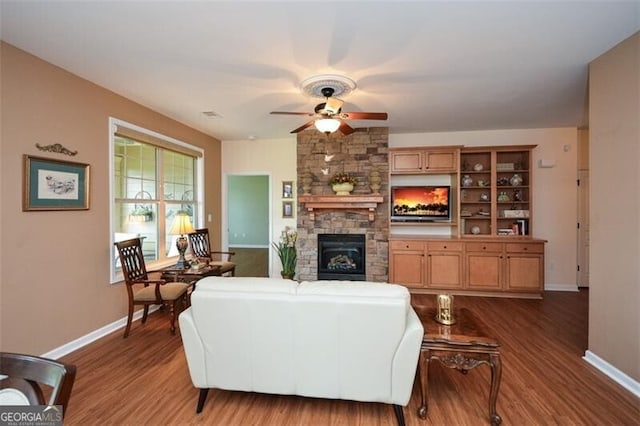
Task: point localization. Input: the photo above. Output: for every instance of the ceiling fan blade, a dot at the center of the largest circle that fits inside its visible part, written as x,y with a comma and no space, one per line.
364,115
291,113
304,126
345,129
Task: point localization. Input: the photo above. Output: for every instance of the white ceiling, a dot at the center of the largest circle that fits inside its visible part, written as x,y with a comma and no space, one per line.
433,66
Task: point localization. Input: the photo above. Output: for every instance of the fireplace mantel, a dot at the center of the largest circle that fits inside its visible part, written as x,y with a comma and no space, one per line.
359,203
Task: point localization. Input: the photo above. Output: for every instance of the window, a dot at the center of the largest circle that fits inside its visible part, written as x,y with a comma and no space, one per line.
152,178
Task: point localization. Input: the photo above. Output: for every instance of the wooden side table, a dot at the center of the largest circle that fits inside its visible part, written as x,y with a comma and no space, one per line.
463,346
189,275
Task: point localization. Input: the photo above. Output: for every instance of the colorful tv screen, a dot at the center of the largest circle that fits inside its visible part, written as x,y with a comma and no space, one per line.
420,203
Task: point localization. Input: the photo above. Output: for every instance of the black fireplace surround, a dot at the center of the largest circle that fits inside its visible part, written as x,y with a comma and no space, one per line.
341,257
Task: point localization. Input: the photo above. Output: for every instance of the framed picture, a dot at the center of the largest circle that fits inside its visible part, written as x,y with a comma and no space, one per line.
287,189
50,184
287,209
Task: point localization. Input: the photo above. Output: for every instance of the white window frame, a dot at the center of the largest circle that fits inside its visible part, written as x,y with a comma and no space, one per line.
114,123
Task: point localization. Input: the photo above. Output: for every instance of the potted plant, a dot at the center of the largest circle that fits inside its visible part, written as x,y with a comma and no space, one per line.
286,249
342,183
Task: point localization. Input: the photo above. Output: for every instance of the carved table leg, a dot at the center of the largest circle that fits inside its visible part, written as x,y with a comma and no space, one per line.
496,374
423,374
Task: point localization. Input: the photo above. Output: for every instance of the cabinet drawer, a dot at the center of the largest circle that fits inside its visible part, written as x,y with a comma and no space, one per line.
407,245
485,247
525,248
445,246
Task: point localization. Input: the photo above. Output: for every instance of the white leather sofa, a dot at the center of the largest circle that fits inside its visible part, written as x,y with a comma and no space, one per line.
328,339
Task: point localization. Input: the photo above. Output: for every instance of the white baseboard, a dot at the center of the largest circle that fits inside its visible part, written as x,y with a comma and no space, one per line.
82,341
560,287
616,375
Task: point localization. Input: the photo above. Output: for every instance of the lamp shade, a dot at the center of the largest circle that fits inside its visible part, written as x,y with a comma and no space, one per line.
327,125
181,224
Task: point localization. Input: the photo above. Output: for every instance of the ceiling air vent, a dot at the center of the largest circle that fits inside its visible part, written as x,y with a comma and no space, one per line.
211,114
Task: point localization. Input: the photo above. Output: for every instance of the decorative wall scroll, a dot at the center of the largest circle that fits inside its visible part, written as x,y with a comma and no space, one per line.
57,148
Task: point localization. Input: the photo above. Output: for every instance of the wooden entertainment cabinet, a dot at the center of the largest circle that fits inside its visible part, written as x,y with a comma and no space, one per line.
486,248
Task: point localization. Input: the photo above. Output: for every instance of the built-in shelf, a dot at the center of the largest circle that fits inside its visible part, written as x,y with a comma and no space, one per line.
358,203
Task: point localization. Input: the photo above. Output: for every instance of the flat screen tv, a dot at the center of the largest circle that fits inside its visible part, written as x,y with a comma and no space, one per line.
423,203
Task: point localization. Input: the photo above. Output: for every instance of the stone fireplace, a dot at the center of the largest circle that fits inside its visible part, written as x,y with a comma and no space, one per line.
319,157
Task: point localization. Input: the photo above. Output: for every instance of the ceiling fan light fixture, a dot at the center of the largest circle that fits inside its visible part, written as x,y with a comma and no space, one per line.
327,125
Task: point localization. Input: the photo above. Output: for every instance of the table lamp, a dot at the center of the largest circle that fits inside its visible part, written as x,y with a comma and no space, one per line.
181,225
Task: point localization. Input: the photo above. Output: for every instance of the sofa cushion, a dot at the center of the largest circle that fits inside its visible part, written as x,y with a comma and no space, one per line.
353,288
347,333
247,285
246,326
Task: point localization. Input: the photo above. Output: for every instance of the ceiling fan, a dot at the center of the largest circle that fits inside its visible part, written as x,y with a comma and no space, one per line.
328,115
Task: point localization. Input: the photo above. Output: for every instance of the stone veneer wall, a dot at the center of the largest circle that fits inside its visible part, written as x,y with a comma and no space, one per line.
356,154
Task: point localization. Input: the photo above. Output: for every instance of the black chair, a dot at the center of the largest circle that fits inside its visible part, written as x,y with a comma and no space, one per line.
27,374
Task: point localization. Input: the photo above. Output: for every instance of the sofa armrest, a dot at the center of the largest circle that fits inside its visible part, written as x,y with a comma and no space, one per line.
193,349
405,361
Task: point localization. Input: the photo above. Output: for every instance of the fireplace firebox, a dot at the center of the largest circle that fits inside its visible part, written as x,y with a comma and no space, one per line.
341,257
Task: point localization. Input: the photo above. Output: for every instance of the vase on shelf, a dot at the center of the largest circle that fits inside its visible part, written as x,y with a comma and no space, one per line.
307,180
516,180
342,188
286,276
375,180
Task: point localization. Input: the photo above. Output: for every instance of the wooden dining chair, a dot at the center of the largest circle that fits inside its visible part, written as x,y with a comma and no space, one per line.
26,375
201,248
144,291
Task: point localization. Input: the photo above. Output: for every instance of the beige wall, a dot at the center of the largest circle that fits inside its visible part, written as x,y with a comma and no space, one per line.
54,284
614,295
275,158
555,191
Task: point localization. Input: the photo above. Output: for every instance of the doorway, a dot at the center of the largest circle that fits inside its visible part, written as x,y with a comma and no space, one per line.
248,223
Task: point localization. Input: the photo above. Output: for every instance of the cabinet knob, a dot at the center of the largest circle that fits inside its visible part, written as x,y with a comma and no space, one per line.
525,249
445,246
484,247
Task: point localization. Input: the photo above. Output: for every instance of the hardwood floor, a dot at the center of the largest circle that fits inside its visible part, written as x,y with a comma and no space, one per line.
251,262
144,379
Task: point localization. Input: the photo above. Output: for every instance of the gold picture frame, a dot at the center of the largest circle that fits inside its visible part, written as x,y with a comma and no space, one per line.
287,209
287,189
50,184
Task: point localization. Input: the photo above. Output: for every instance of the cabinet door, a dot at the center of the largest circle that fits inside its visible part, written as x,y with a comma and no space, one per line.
441,161
524,272
406,162
444,270
484,271
407,268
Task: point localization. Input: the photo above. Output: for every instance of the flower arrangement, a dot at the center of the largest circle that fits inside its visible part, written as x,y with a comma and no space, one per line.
286,249
343,177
